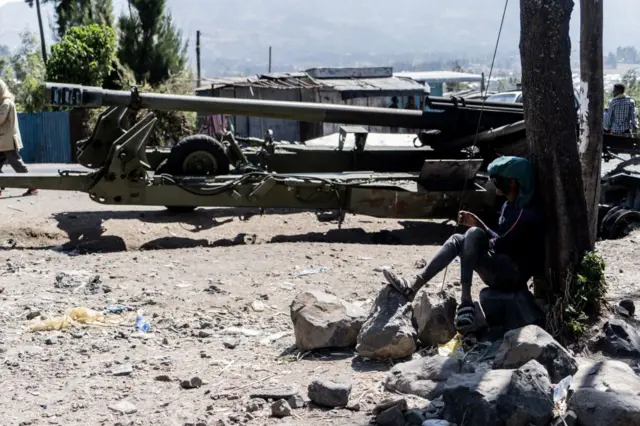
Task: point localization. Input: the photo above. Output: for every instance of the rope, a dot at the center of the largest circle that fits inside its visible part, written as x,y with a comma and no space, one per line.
475,138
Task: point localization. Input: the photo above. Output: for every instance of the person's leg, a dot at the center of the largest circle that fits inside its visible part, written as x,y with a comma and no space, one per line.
452,248
14,159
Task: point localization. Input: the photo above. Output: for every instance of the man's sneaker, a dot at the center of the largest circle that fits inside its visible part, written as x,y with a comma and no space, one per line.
402,285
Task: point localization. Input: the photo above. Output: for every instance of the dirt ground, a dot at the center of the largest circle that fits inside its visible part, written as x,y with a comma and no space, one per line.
196,279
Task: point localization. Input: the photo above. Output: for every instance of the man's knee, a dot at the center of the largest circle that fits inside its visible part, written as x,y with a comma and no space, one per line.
476,235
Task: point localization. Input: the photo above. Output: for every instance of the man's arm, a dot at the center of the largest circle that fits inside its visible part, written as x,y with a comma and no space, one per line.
634,115
5,109
609,117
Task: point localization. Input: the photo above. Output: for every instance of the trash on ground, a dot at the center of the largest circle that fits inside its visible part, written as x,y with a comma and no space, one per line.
74,317
453,348
313,271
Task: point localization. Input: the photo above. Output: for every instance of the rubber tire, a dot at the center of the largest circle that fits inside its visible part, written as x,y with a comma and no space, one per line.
173,164
191,144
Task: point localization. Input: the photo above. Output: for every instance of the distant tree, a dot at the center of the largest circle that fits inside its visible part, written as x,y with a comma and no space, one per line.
149,44
4,51
85,55
70,13
24,71
611,61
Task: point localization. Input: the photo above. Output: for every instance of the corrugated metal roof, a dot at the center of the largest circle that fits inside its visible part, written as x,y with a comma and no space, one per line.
434,77
303,80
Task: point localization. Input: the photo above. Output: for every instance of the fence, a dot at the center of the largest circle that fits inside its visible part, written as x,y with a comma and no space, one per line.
46,137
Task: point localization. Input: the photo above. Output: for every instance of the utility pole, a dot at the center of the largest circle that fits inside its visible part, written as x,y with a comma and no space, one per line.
198,57
269,59
42,44
591,106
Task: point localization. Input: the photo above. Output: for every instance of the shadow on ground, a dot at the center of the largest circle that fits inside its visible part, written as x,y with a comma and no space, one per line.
86,233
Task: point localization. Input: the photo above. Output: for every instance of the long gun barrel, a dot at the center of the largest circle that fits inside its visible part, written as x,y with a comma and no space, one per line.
456,116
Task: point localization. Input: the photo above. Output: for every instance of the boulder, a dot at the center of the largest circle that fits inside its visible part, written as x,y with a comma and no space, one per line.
388,332
510,310
425,377
533,343
391,417
321,320
330,392
434,316
621,339
521,397
629,306
597,408
606,376
280,409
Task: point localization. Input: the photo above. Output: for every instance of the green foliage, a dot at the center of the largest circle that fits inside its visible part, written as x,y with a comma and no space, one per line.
149,44
24,71
70,13
583,304
85,55
172,125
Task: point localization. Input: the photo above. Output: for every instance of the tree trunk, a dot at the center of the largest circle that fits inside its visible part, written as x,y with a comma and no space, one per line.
551,122
592,106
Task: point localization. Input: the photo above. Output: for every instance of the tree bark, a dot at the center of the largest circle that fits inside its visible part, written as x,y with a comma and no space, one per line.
551,122
592,106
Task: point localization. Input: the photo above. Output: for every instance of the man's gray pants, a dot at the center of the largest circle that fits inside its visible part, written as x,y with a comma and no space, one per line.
14,160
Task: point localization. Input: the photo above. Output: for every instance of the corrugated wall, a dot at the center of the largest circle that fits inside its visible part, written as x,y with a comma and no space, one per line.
46,137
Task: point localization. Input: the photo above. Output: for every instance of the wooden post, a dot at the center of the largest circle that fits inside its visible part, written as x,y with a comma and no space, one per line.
42,43
198,58
591,106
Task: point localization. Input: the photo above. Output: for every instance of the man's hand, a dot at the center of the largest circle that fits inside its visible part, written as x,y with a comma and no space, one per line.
468,219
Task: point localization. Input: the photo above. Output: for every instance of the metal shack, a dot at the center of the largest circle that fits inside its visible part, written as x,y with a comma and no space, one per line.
349,86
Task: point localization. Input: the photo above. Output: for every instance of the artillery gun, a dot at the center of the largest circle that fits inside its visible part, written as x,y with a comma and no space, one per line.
203,171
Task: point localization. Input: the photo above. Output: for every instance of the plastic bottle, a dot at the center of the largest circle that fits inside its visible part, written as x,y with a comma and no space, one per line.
142,324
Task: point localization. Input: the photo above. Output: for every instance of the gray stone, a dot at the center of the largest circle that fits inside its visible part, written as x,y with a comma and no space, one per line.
388,333
499,397
330,392
163,378
435,317
629,306
510,310
569,418
621,339
122,370
606,376
229,343
123,407
531,342
296,401
425,377
321,320
192,383
401,403
596,408
415,416
255,404
53,340
280,409
391,417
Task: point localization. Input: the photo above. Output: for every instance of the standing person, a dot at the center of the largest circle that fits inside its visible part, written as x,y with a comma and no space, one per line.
622,112
10,139
504,259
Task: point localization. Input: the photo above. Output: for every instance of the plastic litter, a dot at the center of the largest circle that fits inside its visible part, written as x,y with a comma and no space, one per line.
313,271
142,324
116,309
453,348
435,422
74,317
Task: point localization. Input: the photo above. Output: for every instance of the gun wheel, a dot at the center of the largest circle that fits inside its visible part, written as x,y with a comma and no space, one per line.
197,155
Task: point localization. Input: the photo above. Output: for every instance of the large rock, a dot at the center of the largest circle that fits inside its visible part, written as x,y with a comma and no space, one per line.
510,310
321,320
435,318
596,408
388,332
521,397
425,377
330,392
531,342
606,376
621,339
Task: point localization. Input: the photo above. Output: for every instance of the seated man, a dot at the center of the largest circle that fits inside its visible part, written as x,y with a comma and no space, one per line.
504,259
